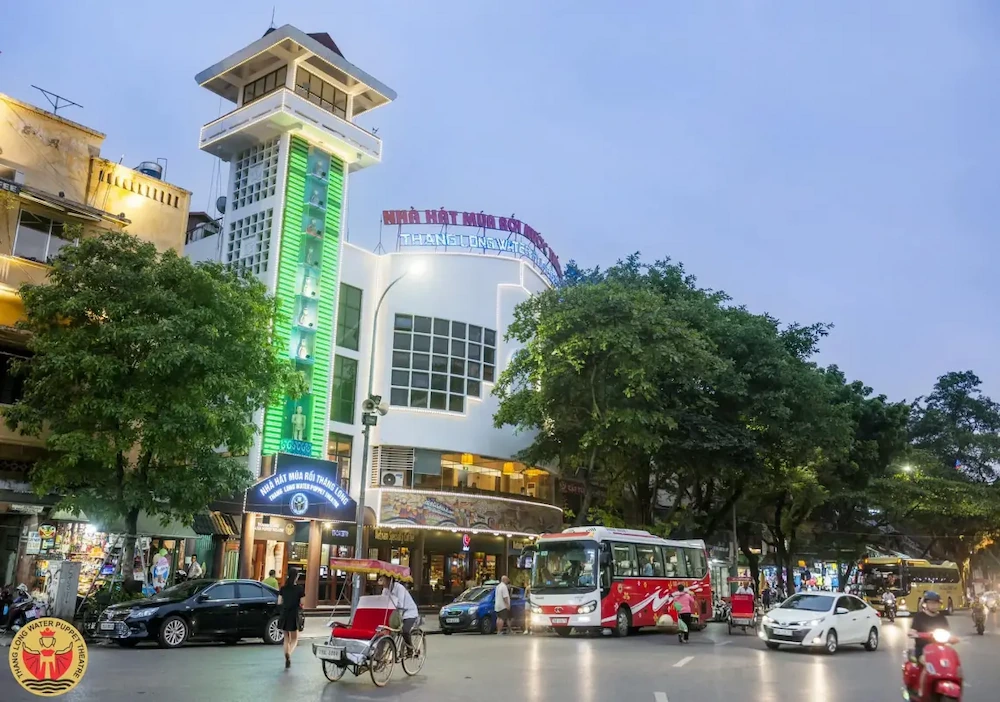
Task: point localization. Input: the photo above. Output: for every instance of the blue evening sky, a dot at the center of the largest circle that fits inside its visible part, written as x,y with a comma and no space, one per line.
821,161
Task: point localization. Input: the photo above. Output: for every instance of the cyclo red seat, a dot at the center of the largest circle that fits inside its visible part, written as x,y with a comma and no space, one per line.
365,624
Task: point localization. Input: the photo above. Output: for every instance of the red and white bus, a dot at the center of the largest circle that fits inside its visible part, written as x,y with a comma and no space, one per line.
618,579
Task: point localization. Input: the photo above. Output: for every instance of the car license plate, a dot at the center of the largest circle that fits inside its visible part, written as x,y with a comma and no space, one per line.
107,626
782,632
560,621
452,620
330,652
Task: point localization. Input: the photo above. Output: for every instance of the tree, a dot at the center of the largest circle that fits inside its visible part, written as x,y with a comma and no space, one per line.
959,426
143,366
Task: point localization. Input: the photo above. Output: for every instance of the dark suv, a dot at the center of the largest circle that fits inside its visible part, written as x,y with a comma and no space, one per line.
221,610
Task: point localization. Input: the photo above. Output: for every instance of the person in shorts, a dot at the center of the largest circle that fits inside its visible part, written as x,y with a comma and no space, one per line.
501,604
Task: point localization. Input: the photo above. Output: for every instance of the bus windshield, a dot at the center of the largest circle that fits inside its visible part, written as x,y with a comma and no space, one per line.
879,577
564,566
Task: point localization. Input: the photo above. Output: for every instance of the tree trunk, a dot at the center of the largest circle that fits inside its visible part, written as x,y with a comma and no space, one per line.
128,551
588,490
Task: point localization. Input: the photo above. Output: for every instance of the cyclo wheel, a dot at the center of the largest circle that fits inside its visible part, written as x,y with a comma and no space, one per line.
413,660
332,671
381,660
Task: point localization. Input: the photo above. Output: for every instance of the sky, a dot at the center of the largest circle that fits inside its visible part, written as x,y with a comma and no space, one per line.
819,161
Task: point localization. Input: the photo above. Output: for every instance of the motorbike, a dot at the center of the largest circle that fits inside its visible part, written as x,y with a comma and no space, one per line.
939,679
889,611
22,612
979,617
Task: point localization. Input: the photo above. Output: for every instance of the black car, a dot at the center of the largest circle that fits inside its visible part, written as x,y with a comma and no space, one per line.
221,610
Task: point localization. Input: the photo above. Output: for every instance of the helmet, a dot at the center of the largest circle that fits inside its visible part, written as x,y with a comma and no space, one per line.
931,596
22,588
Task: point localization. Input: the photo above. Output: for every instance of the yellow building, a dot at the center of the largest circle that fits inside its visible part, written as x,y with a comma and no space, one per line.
54,185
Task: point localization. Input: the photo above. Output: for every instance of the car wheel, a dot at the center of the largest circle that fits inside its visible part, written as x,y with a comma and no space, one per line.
831,642
872,643
771,645
173,632
127,643
486,625
623,622
273,633
563,631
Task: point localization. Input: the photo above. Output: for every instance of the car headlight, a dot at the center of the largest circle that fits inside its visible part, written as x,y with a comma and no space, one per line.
766,620
814,622
587,608
535,609
143,613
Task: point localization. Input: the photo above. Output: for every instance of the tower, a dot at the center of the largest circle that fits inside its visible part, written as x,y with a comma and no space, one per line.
291,143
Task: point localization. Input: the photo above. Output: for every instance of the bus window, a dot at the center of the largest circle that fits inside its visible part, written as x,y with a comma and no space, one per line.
695,559
624,559
650,561
674,567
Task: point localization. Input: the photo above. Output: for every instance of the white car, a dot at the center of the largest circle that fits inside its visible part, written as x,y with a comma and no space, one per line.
826,620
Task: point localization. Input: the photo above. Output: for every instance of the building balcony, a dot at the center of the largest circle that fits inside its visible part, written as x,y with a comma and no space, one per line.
8,436
284,111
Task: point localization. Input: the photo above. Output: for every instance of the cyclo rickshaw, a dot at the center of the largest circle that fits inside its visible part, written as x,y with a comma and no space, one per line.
742,608
370,641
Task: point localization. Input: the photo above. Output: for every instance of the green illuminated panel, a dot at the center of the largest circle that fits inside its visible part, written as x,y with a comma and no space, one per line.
306,295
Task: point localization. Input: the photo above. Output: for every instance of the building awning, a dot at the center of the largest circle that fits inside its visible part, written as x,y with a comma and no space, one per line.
147,525
217,524
69,207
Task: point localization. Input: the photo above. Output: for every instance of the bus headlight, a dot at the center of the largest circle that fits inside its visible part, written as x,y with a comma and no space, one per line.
535,609
587,608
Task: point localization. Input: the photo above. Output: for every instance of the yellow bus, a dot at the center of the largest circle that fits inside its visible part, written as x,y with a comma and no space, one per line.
909,579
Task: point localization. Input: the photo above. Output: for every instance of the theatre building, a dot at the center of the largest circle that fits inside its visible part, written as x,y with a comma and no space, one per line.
444,494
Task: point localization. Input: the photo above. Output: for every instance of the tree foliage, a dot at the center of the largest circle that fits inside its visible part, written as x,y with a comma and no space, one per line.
143,366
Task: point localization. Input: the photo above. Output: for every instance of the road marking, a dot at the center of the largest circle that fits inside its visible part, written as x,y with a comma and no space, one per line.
660,697
723,643
683,662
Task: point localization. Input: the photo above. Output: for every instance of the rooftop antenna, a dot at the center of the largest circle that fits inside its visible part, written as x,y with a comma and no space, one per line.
380,249
57,101
272,17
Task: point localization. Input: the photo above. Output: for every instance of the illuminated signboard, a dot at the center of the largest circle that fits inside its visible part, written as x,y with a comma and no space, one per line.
516,238
303,488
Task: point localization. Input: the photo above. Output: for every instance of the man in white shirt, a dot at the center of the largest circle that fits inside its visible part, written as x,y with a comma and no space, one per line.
195,570
403,600
501,603
744,589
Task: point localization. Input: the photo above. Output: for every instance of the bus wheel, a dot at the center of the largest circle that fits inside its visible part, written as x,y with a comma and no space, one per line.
623,622
951,607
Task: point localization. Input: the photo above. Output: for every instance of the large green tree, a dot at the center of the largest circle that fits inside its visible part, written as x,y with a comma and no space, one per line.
143,366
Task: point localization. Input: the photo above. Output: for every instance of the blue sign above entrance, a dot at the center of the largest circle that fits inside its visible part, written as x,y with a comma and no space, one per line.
304,488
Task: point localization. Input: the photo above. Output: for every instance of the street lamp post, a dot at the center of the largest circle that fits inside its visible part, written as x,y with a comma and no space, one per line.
369,417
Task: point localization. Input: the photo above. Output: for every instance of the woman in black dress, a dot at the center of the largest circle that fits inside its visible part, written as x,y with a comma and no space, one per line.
290,601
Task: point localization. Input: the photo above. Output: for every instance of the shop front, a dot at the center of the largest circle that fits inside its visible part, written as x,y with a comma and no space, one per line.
299,517
454,541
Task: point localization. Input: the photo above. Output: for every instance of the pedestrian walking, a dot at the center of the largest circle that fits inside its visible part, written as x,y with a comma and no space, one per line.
685,604
290,602
765,597
501,603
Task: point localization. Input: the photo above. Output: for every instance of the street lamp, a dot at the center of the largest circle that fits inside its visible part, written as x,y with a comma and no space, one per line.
371,408
907,468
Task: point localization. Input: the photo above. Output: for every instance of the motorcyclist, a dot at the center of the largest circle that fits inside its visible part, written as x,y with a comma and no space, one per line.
888,601
20,595
927,620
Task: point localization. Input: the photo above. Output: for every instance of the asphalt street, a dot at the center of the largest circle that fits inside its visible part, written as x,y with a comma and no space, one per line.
650,667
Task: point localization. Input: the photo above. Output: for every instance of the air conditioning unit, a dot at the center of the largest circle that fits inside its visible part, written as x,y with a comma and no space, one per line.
393,478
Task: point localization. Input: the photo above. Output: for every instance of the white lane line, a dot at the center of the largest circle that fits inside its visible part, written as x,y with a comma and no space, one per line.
660,697
723,643
683,662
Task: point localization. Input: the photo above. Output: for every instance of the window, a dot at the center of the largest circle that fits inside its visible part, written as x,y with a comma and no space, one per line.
650,561
844,602
673,567
345,382
339,451
255,173
251,591
38,238
248,242
623,556
264,85
223,591
319,92
456,354
348,317
695,562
